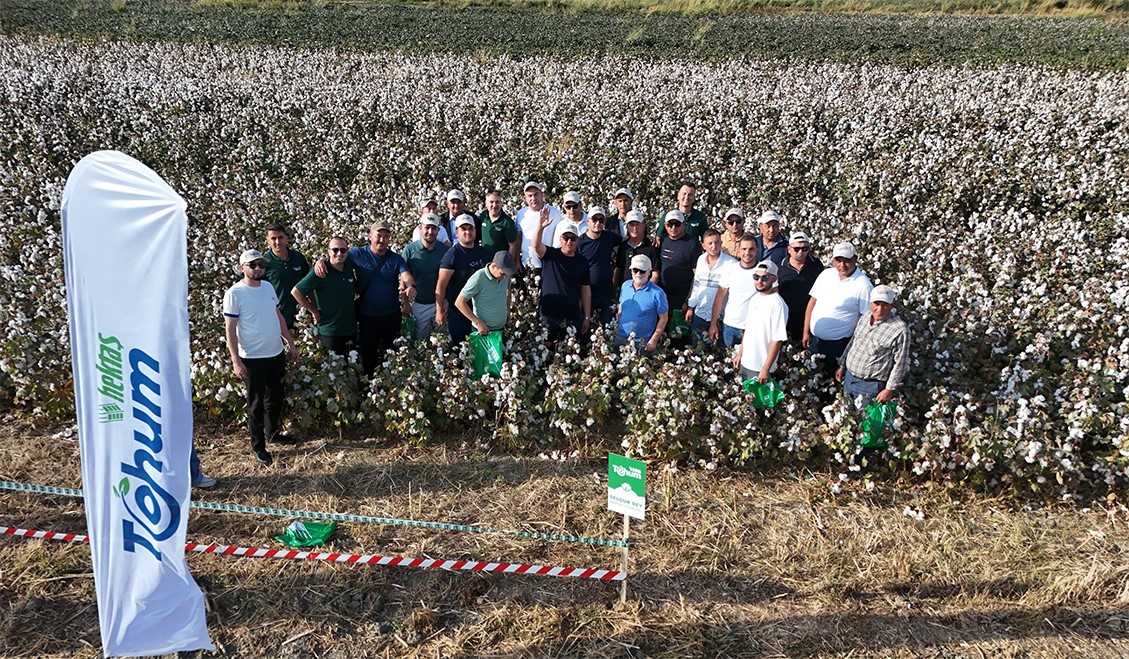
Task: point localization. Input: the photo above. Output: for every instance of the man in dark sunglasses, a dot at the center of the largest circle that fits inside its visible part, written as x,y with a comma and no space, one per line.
732,232
798,273
643,311
332,308
678,255
259,342
766,327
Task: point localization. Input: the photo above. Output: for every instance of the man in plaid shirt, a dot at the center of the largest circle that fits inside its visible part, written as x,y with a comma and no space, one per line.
876,360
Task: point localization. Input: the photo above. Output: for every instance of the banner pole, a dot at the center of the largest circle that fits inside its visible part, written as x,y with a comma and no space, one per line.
623,566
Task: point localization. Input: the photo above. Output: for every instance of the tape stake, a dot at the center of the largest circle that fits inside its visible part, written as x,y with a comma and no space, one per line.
364,559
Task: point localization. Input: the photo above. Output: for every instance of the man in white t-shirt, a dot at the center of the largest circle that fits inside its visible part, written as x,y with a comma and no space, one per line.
528,220
256,332
839,297
766,326
735,288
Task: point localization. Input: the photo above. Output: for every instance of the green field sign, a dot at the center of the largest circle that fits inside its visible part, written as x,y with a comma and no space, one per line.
627,486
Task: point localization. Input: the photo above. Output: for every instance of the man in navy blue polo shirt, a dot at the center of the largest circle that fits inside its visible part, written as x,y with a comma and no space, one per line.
771,244
643,310
566,291
460,262
600,247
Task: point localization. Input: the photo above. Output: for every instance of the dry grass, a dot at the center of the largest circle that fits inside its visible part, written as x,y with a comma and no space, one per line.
727,564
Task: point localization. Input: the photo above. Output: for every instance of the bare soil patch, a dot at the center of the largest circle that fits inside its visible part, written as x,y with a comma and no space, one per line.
726,564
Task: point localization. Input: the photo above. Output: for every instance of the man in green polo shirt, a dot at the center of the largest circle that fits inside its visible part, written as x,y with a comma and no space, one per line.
485,300
499,232
335,314
285,268
423,257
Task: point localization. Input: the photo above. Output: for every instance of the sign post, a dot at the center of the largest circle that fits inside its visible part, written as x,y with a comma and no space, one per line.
627,495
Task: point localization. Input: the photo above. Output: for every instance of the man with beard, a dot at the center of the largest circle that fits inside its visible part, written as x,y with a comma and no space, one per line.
423,257
643,310
766,327
798,273
334,312
600,248
458,264
258,341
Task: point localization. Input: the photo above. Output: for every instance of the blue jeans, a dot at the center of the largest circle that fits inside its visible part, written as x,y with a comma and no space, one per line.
860,391
731,336
194,464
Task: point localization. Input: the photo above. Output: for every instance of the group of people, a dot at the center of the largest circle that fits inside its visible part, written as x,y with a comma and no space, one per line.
750,290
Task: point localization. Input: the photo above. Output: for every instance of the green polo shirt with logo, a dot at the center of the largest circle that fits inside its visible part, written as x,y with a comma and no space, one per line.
696,224
497,236
334,295
487,297
423,263
284,275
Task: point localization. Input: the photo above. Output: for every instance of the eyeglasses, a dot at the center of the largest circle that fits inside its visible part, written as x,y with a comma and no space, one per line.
568,239
802,248
764,277
339,250
637,271
257,265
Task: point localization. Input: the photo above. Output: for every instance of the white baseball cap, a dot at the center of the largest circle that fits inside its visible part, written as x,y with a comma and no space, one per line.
534,184
883,293
640,262
568,227
249,256
844,250
768,266
771,216
799,238
430,219
635,216
734,211
597,210
571,197
625,192
674,215
464,220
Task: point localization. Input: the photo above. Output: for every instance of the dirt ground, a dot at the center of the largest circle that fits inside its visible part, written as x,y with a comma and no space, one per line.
726,564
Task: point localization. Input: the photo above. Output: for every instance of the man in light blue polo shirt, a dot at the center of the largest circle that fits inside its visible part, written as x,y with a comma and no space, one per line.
643,307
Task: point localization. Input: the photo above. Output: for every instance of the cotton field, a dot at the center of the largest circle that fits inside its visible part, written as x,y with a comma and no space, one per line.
995,200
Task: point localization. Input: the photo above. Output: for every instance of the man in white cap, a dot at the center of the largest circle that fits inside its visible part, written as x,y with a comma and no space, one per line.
456,206
643,309
528,221
428,205
678,255
573,212
259,343
839,297
876,361
636,242
601,249
623,200
798,273
771,245
766,327
566,292
423,257
460,262
485,299
733,231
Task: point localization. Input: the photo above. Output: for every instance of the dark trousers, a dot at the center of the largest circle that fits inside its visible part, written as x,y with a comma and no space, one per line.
377,334
264,397
604,311
338,345
558,327
457,324
831,351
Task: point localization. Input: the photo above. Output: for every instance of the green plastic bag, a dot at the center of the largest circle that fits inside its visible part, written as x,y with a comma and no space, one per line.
766,394
408,327
487,353
873,424
307,534
678,326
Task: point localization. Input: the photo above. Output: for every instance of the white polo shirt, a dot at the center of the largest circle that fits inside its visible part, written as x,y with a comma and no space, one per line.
527,222
839,303
742,288
256,310
706,281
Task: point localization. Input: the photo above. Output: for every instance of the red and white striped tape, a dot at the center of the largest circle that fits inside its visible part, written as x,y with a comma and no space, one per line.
365,559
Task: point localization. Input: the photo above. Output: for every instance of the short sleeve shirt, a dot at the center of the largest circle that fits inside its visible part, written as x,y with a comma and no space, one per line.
742,288
465,262
497,235
626,251
283,276
487,297
378,280
334,296
601,255
528,221
676,269
639,310
765,324
794,286
423,263
561,280
255,309
839,303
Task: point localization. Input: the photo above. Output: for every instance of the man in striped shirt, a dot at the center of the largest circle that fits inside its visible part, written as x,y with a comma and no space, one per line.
876,360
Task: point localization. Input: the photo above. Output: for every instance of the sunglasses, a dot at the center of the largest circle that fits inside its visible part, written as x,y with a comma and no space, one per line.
598,218
570,206
339,250
735,221
257,265
568,239
804,248
637,271
765,277
674,223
